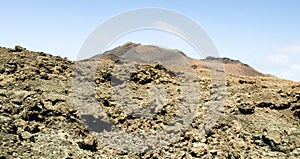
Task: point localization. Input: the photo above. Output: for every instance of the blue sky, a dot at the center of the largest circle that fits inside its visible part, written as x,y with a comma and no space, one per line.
262,33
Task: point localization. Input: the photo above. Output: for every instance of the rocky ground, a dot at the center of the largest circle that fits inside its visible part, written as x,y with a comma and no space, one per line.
49,109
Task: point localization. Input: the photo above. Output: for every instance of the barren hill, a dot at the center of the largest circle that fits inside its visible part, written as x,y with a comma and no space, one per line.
151,53
233,67
49,110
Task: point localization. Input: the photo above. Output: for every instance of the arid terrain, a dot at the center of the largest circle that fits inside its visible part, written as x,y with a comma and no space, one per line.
115,105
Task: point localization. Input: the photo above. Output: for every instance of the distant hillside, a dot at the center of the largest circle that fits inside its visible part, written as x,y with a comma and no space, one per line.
234,67
150,54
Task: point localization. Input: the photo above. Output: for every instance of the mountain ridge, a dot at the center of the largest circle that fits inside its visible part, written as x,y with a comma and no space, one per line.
136,51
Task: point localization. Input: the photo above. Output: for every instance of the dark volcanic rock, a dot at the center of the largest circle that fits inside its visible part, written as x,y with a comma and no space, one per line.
19,48
246,108
223,59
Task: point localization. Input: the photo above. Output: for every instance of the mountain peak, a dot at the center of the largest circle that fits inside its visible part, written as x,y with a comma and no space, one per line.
150,53
131,44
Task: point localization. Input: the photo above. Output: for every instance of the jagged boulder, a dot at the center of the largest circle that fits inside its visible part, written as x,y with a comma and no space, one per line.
19,48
